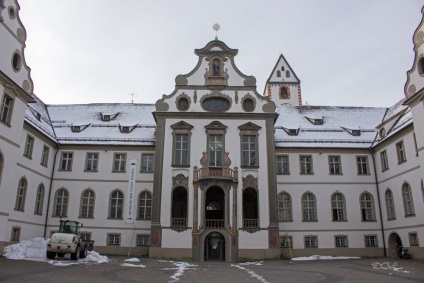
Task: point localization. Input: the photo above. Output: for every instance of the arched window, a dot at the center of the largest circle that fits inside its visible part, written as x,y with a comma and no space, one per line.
338,206
87,204
116,203
278,74
39,199
390,205
408,201
284,94
287,74
61,203
145,206
20,195
284,207
367,207
179,207
309,207
250,208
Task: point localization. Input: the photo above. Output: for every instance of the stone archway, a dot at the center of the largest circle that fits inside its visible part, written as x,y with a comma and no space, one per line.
214,247
394,243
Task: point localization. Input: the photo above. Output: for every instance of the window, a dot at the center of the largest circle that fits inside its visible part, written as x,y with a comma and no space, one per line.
29,144
309,207
413,239
287,74
340,241
91,162
85,236
61,203
39,199
147,163
311,242
216,104
16,234
338,207
284,207
408,201
142,240
6,109
66,161
335,165
284,93
278,74
87,204
215,150
113,239
145,206
283,164
248,105
390,205
181,149
119,162
45,155
116,204
20,195
362,165
367,207
384,161
400,150
286,242
370,241
306,164
249,150
183,104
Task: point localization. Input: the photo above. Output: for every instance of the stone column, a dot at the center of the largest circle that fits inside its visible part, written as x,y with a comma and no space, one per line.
227,208
202,208
234,186
196,208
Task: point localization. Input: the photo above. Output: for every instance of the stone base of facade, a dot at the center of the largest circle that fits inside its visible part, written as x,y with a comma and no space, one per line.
414,251
359,252
258,254
171,253
117,250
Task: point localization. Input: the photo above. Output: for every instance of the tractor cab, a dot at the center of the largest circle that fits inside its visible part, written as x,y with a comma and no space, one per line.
69,227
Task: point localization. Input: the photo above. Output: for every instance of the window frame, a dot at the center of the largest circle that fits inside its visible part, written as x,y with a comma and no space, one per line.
21,194
337,243
39,200
288,215
401,152
408,200
360,165
143,205
45,155
390,205
118,209
91,162
286,241
340,211
66,160
61,209
143,243
6,109
111,239
367,241
335,165
119,164
87,204
309,210
367,210
280,164
413,239
29,146
147,163
307,241
384,160
303,163
15,234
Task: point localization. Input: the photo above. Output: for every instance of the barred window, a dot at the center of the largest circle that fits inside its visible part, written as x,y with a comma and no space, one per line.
283,164
284,207
145,206
87,204
311,241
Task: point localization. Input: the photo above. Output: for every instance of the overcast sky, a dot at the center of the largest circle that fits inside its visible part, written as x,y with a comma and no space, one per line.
347,53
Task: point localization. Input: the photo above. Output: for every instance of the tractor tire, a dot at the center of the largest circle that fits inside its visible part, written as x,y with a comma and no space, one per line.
60,254
51,255
76,254
83,253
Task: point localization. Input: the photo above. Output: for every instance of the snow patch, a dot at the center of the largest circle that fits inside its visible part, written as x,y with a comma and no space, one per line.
133,265
181,267
252,273
323,257
133,259
252,263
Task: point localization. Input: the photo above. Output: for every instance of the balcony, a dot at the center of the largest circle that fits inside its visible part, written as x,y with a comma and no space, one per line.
215,223
250,223
179,222
215,173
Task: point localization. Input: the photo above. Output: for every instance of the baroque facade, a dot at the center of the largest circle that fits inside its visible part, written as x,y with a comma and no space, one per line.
214,170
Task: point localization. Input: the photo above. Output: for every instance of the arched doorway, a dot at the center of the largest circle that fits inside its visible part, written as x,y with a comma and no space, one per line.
214,247
214,210
179,207
394,243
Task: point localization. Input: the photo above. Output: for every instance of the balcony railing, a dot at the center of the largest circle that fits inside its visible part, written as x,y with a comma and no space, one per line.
179,222
215,223
214,172
250,223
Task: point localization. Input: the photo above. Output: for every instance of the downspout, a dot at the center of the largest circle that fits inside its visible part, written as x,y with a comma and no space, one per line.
50,190
379,202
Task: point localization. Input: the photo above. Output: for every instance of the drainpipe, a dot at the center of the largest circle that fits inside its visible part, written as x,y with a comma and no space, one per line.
379,203
50,190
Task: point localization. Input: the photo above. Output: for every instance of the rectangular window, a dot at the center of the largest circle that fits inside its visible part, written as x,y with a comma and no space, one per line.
113,239
142,240
384,160
335,165
215,150
286,242
29,144
371,241
249,154
119,162
362,165
283,164
66,161
16,234
341,241
91,163
6,109
45,155
306,164
400,149
181,152
413,239
85,236
147,163
311,241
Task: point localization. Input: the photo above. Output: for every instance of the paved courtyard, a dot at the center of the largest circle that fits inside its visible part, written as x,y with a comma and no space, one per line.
148,270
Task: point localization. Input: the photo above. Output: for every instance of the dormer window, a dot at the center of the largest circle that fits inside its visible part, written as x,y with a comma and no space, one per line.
126,129
106,117
291,132
35,113
356,133
78,128
316,121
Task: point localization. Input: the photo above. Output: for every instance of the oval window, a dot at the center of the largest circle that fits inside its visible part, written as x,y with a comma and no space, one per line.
183,104
216,104
16,62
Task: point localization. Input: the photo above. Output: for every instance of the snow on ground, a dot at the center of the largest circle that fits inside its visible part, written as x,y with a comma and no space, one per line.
251,272
251,263
133,259
35,250
181,267
323,257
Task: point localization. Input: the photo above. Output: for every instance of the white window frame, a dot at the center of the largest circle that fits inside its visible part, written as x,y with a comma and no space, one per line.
119,162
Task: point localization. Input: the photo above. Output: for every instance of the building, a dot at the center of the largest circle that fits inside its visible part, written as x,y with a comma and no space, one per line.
214,170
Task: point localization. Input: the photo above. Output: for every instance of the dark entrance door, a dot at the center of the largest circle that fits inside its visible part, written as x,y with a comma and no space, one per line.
214,247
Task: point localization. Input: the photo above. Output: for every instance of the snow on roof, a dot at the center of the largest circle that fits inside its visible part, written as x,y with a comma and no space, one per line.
100,131
404,120
36,114
331,133
395,109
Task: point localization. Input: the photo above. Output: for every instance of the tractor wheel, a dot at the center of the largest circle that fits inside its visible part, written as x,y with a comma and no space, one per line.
60,254
50,255
83,253
76,254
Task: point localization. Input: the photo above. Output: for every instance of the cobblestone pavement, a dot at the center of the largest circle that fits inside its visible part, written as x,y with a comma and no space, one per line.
148,270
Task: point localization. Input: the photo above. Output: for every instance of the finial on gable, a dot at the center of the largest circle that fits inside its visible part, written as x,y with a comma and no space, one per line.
216,27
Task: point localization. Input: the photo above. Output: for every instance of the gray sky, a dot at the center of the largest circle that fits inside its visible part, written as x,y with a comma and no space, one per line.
353,53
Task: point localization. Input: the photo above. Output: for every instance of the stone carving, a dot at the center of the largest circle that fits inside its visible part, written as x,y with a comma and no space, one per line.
180,181
204,160
161,106
227,160
250,182
181,80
